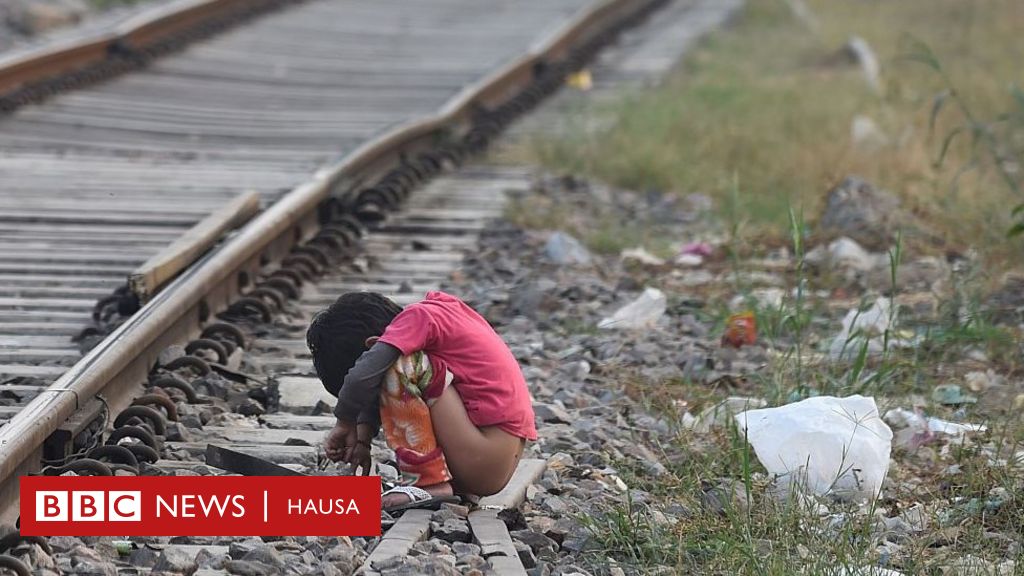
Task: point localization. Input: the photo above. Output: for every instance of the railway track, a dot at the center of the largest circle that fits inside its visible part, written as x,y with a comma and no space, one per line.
118,177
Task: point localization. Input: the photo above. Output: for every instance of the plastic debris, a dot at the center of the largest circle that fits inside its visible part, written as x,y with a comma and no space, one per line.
702,249
869,325
825,445
641,255
689,260
979,381
644,312
720,413
581,80
952,395
564,249
915,429
847,253
740,330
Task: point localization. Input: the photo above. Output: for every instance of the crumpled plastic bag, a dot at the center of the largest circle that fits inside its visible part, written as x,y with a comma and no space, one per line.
915,429
644,312
824,445
870,324
562,248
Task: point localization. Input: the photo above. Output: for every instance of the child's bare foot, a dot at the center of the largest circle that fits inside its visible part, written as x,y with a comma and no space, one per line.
442,489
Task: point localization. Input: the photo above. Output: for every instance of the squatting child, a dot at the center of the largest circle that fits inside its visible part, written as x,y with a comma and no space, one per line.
449,393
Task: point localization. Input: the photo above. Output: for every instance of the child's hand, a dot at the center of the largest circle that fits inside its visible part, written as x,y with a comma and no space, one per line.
361,457
341,441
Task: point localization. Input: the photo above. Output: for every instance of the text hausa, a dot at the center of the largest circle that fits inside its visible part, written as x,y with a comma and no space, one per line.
322,506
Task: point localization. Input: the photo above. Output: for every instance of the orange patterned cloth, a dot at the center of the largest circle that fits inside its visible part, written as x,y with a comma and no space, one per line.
405,417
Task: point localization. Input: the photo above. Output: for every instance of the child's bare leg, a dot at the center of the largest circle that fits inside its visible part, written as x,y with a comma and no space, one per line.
481,460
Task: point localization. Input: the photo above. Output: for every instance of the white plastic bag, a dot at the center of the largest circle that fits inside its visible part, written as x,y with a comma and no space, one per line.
858,326
644,312
826,445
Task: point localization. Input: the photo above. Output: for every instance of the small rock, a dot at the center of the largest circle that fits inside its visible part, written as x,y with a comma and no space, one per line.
265,555
541,545
456,530
457,509
858,210
465,549
176,561
551,413
526,555
176,432
248,568
250,407
725,496
562,248
143,557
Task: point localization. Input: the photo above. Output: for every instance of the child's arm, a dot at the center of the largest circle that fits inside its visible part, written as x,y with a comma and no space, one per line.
361,388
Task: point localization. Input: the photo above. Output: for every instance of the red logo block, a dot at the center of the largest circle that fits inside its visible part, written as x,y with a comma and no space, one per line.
200,506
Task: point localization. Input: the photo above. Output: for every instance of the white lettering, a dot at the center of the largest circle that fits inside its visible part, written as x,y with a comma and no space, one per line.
238,502
172,509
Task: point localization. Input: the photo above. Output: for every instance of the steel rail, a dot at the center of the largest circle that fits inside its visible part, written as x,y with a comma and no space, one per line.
123,359
135,35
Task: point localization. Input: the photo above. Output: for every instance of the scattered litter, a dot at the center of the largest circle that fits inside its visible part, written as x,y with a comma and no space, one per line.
979,381
866,135
867,571
764,297
720,413
740,330
644,312
860,51
564,249
952,395
916,429
828,445
702,249
857,326
641,255
847,253
689,260
581,80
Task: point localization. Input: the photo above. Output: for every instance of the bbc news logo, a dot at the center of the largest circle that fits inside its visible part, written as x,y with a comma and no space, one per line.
88,506
200,506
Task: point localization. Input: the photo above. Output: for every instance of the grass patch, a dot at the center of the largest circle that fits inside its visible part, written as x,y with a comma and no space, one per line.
768,105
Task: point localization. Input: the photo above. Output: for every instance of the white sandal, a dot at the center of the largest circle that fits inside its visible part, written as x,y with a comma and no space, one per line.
419,499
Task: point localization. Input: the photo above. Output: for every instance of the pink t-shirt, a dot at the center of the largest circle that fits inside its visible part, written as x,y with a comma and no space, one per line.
486,374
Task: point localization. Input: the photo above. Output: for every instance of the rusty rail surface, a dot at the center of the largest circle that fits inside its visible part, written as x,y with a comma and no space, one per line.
124,358
36,73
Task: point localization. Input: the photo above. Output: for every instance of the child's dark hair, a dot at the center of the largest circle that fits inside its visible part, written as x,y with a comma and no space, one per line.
337,336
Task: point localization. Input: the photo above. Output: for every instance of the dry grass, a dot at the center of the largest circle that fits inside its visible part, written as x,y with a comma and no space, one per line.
768,104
